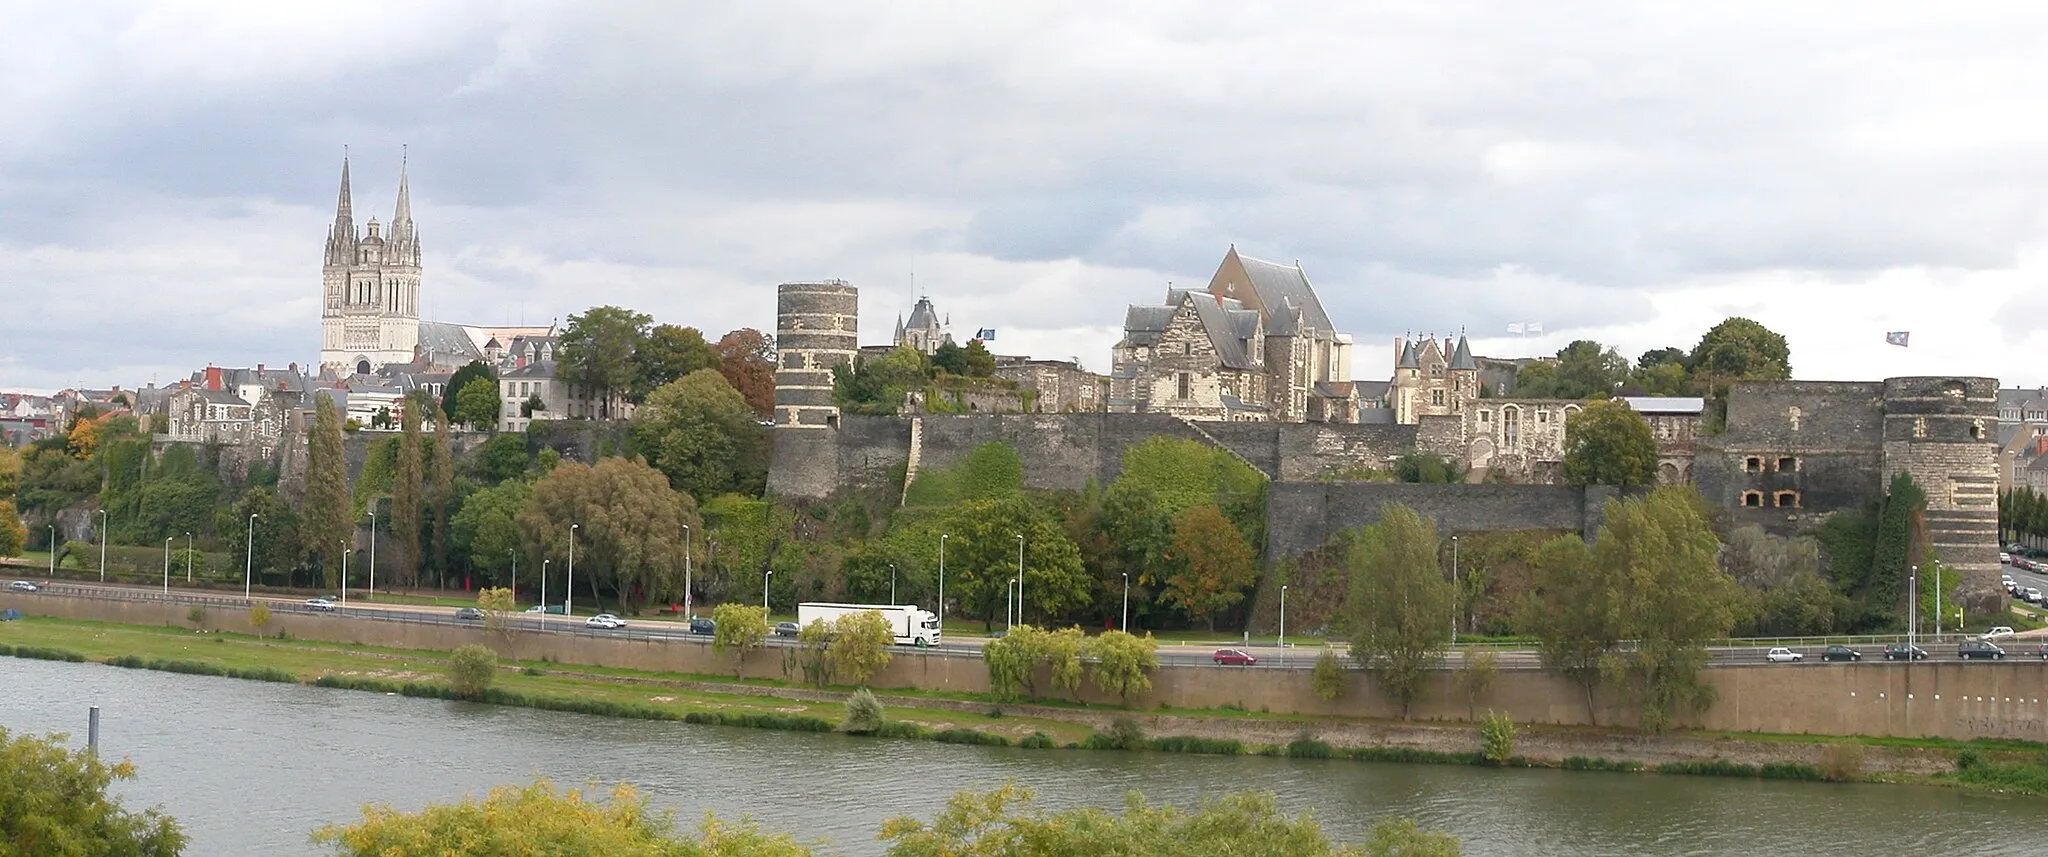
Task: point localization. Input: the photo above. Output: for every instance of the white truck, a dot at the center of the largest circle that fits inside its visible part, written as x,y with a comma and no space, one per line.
910,625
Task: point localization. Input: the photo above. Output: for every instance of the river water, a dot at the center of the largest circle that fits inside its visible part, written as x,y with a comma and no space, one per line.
251,768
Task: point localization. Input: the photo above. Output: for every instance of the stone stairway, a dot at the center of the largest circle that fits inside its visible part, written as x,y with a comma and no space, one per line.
911,461
1211,440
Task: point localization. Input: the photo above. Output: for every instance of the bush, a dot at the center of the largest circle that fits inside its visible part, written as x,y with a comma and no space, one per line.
1036,741
1708,768
903,729
1202,746
2012,777
1842,761
1309,748
1583,763
532,671
1790,771
1413,756
970,736
785,722
1967,759
41,653
1497,737
197,616
471,668
863,713
133,662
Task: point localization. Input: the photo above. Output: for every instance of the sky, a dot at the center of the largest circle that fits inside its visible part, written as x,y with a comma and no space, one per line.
1625,172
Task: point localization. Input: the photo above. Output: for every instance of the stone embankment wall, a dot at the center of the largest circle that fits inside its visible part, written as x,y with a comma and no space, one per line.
1940,699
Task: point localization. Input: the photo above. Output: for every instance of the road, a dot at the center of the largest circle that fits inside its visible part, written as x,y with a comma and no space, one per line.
1267,656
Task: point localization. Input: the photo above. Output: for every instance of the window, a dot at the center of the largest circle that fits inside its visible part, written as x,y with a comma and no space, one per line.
1485,416
1542,417
1185,383
1787,463
1753,464
1919,426
1787,500
1511,427
1753,499
1436,397
1976,429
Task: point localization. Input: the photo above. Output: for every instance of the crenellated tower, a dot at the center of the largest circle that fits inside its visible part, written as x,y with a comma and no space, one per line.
369,310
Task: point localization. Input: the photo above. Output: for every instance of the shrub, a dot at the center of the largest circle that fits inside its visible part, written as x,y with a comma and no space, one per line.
863,713
471,668
532,671
197,616
1967,759
41,653
1708,768
1203,746
1583,763
1497,737
970,736
902,729
133,662
1842,761
785,722
1413,756
259,616
1789,771
1036,741
1309,748
2011,777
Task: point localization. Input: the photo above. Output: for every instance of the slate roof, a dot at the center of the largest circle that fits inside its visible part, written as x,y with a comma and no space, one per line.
447,344
1665,404
536,369
1462,357
1222,319
1408,358
1144,324
1372,390
1281,285
219,397
923,316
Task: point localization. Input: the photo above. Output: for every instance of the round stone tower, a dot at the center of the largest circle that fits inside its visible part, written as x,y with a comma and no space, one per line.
817,327
1942,431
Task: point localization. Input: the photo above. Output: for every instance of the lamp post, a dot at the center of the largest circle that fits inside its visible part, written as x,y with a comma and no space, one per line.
1912,608
1454,590
53,551
103,545
1124,624
544,590
569,591
188,557
892,584
687,536
167,564
373,548
1937,603
345,551
942,583
1009,605
765,575
514,575
1283,618
1020,578
249,570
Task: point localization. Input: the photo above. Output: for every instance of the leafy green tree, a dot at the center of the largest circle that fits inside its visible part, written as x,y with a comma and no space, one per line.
746,357
981,559
631,527
980,363
10,471
1585,370
1011,666
1398,610
408,494
878,385
990,471
276,536
471,668
476,405
1121,663
669,354
950,358
325,523
864,713
1662,379
597,351
1576,610
1328,676
500,458
1477,676
1675,597
741,628
1739,349
859,647
486,531
1537,379
1608,443
814,642
451,395
520,821
1424,468
13,534
1211,565
440,494
54,801
700,432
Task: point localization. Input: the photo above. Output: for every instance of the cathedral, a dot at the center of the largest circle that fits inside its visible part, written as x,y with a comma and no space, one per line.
370,316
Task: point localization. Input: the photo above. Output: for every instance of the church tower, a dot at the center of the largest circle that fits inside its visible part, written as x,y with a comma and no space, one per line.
369,312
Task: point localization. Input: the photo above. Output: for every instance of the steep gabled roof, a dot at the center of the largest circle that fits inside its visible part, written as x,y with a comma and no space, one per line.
923,316
1219,321
1275,287
1462,357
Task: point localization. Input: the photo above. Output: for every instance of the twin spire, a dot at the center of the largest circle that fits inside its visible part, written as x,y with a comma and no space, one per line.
343,237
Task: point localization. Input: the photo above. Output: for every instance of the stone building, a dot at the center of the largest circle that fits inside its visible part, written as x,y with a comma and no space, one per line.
1432,378
1675,425
370,314
1055,386
1256,345
1522,440
817,327
924,331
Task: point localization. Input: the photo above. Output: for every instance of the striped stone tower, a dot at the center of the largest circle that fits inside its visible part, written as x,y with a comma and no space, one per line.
817,327
1943,432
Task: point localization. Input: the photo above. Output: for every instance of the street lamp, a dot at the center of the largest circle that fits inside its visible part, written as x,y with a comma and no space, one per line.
345,551
1125,625
1912,608
544,590
1454,590
167,564
1020,578
103,545
514,554
764,589
249,570
53,551
569,591
687,536
942,583
892,584
373,548
1283,618
1009,605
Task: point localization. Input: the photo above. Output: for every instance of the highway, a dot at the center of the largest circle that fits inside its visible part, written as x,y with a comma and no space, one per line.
1267,656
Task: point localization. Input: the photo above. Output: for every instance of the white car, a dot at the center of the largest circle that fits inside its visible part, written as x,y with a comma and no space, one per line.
604,620
23,586
2004,557
1782,655
319,604
2000,631
536,609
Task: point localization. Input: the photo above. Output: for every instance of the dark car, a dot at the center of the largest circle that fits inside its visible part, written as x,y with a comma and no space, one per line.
469,614
1904,652
1233,656
703,626
786,629
1979,649
1841,653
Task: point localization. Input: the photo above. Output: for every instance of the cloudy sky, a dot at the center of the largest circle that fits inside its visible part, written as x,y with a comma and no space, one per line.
1625,172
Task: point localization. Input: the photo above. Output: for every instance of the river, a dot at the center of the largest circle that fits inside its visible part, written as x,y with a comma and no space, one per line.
251,768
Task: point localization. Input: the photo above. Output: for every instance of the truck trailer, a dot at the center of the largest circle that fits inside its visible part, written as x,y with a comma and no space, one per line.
909,624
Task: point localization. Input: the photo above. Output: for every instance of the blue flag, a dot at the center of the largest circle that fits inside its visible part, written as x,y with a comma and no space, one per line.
986,334
1896,337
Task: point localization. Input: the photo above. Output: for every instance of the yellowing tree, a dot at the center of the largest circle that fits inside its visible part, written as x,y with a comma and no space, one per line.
741,628
13,535
1210,564
859,647
54,801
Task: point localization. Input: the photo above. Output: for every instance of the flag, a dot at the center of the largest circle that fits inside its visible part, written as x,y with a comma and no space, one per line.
986,334
1517,327
1896,337
1526,327
1533,327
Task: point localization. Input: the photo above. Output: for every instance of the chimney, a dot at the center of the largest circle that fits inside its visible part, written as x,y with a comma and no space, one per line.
294,367
259,368
213,377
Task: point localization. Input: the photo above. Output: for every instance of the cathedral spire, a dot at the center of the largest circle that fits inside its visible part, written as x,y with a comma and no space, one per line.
404,212
344,215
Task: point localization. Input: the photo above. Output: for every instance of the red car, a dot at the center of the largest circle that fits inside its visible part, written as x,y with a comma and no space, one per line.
1233,656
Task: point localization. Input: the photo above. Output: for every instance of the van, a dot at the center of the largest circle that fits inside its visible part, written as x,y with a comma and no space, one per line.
1977,649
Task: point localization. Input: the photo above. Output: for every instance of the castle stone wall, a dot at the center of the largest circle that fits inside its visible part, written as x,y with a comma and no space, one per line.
1301,516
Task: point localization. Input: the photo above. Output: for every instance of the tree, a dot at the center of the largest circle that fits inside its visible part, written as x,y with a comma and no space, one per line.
1328,675
1121,663
879,385
1608,443
1576,611
517,821
700,432
668,354
1402,837
441,494
54,801
325,523
477,404
1675,599
1585,370
458,385
741,628
950,358
13,534
814,643
486,531
497,604
1481,668
1210,564
10,471
981,559
1398,610
1739,349
1892,552
631,527
500,458
471,668
408,493
1537,379
746,357
259,617
864,713
859,647
597,351
980,363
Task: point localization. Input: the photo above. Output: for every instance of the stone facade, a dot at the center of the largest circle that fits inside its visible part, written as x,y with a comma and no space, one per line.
370,315
817,327
1057,386
924,331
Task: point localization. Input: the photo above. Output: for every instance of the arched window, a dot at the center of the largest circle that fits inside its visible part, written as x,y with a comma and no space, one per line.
1511,426
1787,500
1753,499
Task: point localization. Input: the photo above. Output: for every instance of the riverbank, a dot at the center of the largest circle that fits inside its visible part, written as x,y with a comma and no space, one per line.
960,718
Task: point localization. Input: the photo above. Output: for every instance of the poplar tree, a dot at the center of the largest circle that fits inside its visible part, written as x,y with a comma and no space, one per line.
325,524
441,492
1399,608
407,505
